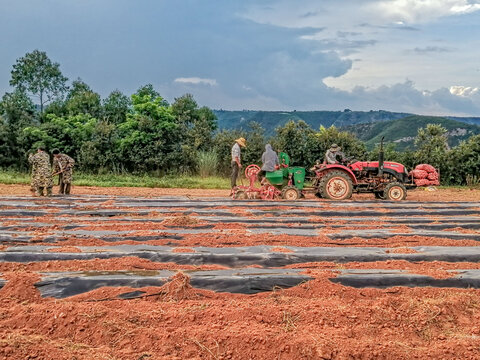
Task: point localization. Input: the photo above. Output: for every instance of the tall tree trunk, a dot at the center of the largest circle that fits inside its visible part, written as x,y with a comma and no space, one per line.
41,102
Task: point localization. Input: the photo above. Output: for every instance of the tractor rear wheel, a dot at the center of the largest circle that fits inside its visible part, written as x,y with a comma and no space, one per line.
395,191
336,185
290,193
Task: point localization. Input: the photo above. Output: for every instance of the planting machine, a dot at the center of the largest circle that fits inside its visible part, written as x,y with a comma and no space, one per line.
385,179
287,182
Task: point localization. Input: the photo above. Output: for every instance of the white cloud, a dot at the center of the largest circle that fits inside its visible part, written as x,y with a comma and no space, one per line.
465,91
419,11
196,81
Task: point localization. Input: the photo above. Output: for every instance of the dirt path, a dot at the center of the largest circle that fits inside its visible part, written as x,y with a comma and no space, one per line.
421,194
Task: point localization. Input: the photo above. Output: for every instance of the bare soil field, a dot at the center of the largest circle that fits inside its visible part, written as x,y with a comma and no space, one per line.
420,194
135,273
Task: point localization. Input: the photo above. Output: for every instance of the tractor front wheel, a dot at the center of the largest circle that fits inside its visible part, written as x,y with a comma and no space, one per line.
336,185
395,191
379,195
290,193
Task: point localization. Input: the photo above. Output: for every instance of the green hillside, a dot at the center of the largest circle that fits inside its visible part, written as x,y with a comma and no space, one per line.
403,131
270,120
369,126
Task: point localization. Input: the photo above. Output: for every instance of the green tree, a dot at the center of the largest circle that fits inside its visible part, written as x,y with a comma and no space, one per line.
204,128
197,127
6,155
295,139
150,137
255,137
150,90
223,142
325,137
116,107
99,154
36,74
432,145
65,133
462,161
81,99
16,112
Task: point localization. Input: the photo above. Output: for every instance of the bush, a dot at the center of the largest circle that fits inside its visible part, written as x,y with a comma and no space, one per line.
207,162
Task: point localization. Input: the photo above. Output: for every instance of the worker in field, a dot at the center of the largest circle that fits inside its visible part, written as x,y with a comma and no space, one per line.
270,162
236,159
32,185
333,155
41,172
63,167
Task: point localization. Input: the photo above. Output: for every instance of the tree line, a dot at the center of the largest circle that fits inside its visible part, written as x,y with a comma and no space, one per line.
143,133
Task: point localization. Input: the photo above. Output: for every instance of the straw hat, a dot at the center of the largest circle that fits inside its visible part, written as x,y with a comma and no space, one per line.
335,147
241,141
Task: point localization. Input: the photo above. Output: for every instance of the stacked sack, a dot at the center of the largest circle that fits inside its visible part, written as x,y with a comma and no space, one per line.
425,175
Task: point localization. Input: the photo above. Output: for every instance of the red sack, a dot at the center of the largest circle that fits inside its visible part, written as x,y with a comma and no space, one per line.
426,182
428,168
422,182
419,174
432,176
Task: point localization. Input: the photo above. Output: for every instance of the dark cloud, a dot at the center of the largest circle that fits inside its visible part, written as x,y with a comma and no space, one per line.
389,27
124,44
344,34
431,49
309,14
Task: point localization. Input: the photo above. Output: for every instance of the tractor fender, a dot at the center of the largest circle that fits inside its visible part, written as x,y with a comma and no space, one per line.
341,168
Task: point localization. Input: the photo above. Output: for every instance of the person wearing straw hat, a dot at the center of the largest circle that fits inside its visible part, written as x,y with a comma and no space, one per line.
236,159
333,153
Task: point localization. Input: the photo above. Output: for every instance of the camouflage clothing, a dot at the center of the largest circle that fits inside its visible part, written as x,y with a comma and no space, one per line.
63,164
41,173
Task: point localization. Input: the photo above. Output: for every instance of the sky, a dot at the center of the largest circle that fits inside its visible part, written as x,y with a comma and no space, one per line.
416,56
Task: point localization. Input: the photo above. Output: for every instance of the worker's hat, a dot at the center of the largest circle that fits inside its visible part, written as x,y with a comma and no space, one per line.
241,141
335,147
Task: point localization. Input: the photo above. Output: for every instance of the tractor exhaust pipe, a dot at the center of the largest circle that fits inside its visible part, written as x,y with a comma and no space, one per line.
380,158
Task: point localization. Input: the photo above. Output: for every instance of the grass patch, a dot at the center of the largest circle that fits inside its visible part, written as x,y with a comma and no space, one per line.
14,177
110,180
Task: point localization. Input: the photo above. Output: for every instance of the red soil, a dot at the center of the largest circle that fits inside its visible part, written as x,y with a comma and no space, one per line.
315,320
420,194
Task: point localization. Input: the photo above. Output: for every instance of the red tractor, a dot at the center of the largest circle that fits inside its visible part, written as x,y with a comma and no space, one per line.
387,180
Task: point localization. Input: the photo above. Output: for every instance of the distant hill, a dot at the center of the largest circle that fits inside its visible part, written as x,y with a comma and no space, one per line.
270,120
369,126
403,131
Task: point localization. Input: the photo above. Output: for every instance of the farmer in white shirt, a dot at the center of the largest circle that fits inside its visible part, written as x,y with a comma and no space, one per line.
236,160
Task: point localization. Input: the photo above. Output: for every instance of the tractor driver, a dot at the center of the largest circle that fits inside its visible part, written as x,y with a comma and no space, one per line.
333,154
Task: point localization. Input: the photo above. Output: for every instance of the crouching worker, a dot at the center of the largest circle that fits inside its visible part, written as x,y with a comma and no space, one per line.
269,162
41,172
63,167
